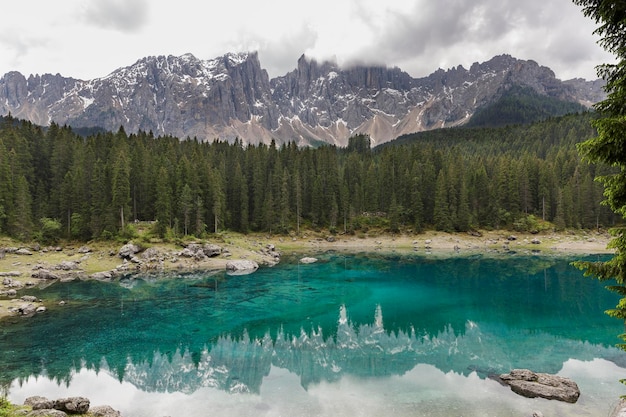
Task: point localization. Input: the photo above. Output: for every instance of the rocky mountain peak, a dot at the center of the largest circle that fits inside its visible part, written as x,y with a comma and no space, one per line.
232,96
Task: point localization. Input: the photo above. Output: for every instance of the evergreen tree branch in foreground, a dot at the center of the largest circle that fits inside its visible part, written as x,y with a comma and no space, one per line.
609,146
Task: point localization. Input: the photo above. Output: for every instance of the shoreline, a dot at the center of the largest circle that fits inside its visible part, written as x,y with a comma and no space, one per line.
20,270
458,243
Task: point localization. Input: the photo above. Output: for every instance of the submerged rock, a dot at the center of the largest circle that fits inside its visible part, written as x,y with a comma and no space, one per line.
552,387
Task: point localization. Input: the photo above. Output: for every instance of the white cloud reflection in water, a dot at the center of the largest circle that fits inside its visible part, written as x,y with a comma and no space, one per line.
423,391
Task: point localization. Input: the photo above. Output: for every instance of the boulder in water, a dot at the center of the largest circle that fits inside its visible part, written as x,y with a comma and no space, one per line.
552,387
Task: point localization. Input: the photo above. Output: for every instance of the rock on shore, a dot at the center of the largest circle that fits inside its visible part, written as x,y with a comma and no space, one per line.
308,260
61,407
241,267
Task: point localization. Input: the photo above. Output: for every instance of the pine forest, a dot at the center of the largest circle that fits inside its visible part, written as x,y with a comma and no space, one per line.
55,183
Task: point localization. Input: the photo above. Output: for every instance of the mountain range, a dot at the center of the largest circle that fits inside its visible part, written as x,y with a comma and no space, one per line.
232,96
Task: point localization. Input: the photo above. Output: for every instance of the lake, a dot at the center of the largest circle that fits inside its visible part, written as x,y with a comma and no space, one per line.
351,335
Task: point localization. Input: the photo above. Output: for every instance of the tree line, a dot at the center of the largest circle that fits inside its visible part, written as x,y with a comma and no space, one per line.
54,182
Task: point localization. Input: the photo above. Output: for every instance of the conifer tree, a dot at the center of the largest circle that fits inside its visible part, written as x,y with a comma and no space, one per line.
285,213
219,200
99,200
6,191
394,215
163,204
298,202
417,207
200,225
441,213
120,188
186,206
20,217
608,146
463,217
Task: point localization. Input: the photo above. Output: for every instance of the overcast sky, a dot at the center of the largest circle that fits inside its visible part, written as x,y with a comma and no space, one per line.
88,39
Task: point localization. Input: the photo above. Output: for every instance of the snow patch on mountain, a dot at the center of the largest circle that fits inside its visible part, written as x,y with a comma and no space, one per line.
231,97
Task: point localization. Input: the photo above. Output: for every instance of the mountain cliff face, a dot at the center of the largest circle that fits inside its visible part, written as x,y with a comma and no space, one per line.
232,97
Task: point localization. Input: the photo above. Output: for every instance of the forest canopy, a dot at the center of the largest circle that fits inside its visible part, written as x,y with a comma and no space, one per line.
56,183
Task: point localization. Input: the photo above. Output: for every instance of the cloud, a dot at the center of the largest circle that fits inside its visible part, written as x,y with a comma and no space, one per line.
279,55
418,36
122,15
423,35
19,44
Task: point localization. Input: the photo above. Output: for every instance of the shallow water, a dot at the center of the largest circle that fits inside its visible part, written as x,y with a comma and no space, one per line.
365,335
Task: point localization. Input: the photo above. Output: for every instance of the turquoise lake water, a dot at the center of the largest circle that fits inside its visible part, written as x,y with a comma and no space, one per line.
353,335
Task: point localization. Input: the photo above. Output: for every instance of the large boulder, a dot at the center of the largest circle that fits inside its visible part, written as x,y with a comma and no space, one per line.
72,405
39,403
197,252
102,276
241,267
211,249
151,254
12,283
128,250
44,274
25,309
531,384
67,266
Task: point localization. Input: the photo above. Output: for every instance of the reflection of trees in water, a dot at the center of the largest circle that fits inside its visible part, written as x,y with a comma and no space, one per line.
239,365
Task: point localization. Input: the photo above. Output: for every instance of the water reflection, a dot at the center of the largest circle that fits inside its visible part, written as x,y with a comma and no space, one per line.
412,373
367,350
239,365
369,324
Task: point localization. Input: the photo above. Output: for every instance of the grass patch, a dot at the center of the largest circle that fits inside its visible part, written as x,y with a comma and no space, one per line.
9,410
